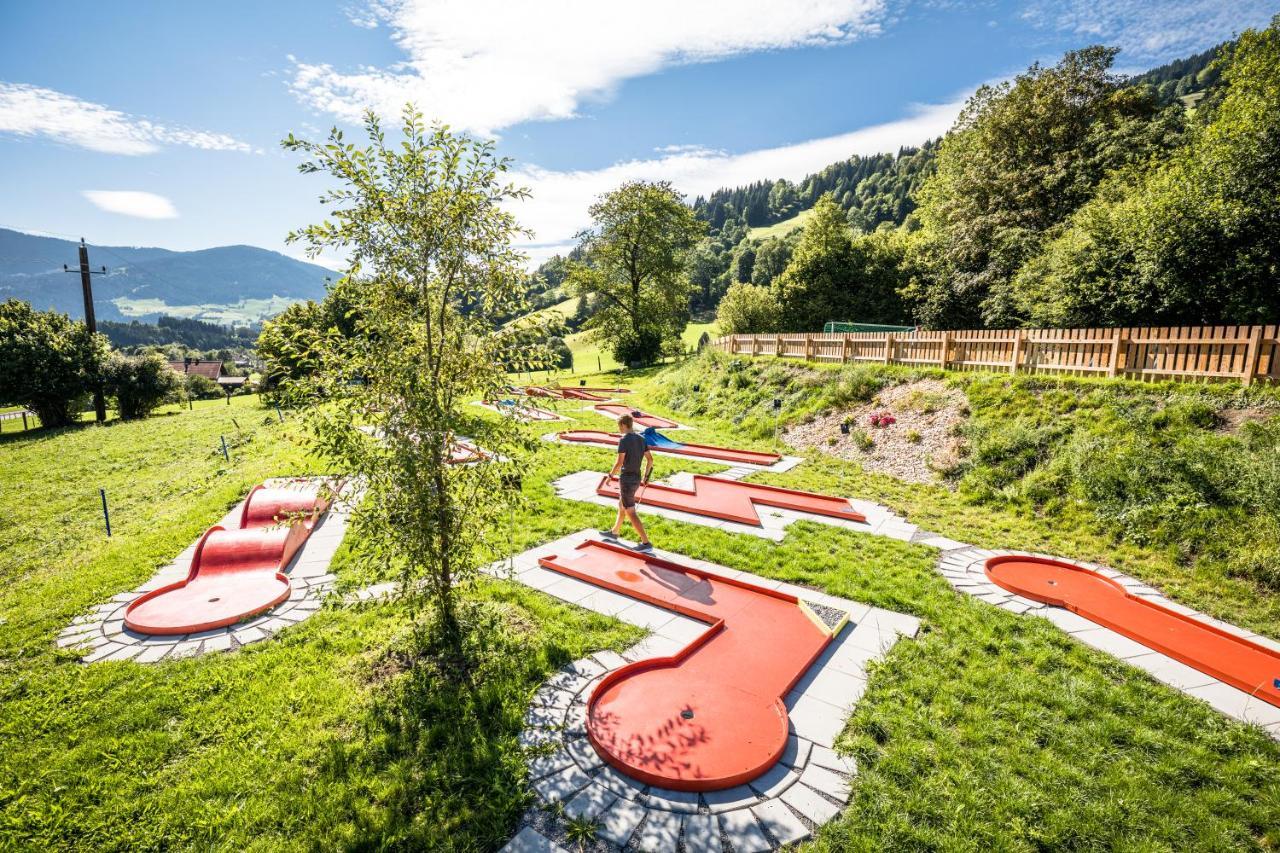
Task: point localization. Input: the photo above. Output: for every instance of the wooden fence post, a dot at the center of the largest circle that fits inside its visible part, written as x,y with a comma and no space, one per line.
1114,365
946,349
888,348
808,346
844,349
777,346
755,345
1251,356
1017,351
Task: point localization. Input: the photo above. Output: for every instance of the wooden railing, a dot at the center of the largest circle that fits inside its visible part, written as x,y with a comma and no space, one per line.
1244,353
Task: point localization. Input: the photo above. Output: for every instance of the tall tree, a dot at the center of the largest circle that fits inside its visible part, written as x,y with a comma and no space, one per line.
634,263
48,362
1022,157
424,224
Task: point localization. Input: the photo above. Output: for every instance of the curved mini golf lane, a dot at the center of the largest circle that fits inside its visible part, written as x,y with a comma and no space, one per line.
234,573
1235,660
614,410
732,500
711,716
731,455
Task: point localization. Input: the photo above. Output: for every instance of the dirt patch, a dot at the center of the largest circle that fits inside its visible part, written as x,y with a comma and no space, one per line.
920,443
1231,420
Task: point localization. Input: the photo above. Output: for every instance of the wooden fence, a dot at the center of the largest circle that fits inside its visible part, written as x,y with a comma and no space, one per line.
1244,353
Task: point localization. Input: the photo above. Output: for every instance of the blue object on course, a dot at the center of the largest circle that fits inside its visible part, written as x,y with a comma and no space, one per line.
653,438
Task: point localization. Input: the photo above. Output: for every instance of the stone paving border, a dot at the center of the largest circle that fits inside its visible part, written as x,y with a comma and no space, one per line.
808,787
101,631
965,569
773,522
737,469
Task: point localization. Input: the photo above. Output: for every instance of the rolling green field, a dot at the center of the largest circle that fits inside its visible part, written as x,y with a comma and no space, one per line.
780,229
988,731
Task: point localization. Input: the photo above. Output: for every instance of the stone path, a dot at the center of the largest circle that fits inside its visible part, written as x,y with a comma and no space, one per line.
808,787
102,633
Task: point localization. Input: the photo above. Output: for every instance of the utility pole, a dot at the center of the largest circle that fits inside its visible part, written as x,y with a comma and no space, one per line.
99,402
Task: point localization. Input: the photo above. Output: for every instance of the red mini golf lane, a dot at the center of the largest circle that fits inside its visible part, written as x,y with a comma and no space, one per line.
733,500
700,451
1252,668
614,410
710,716
234,573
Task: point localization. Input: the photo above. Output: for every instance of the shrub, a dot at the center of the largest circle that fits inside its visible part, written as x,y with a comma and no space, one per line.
140,383
48,362
748,309
862,439
202,387
638,348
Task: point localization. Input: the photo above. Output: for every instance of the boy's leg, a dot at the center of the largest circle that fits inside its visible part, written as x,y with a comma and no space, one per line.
634,517
617,522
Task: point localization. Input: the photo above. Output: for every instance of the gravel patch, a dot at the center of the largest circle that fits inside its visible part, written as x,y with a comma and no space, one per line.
921,444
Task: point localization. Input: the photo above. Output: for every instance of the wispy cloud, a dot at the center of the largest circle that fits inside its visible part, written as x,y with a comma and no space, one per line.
558,207
1151,29
135,203
484,65
27,110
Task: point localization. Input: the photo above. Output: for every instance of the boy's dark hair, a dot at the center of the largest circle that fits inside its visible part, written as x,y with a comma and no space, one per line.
625,422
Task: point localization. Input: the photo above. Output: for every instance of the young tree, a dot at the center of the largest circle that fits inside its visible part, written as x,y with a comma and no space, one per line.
634,264
48,362
424,224
140,383
748,309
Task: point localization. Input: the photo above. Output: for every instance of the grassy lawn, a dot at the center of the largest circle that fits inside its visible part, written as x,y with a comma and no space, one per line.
988,731
780,229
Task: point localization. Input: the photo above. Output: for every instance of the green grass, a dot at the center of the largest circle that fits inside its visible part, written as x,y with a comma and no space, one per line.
987,731
780,229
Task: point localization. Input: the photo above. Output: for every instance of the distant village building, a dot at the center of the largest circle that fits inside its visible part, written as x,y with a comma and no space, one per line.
207,369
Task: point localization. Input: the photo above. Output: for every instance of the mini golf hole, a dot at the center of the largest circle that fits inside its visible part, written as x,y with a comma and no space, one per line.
215,598
687,714
1053,583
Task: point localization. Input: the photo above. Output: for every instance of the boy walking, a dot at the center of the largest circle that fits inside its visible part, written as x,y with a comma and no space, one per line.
631,451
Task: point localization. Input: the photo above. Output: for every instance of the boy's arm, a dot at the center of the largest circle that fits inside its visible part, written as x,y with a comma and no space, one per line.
648,464
617,464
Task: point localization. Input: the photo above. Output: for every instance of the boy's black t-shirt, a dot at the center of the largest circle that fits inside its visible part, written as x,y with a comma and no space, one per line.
632,446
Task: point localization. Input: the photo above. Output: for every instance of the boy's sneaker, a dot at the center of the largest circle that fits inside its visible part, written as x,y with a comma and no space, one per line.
645,548
608,534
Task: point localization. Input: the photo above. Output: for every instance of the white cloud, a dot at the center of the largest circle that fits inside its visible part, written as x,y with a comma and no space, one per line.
133,203
1151,29
487,64
34,111
558,207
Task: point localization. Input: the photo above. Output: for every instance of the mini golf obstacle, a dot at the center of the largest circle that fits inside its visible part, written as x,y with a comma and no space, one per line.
234,573
521,411
1230,658
711,716
731,500
614,410
659,442
564,393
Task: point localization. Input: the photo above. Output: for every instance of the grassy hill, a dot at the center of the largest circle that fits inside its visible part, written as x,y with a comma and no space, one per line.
342,732
780,229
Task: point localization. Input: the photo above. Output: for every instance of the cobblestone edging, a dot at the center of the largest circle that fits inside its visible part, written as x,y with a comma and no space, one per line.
808,787
965,569
102,634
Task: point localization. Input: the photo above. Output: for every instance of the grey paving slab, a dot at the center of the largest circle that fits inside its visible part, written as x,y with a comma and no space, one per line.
123,653
743,832
832,686
824,756
1112,643
103,652
660,832
623,786
610,660
728,799
702,834
584,753
774,781
825,781
1066,620
620,820
1171,672
562,785
816,720
543,716
545,765
532,737
778,820
797,751
529,840
590,802
672,801
153,653
1238,704
810,803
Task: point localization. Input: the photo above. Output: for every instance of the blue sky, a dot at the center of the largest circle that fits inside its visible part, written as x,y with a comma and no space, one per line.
158,123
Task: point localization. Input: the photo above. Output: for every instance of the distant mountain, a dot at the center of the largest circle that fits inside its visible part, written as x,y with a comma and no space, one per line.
227,284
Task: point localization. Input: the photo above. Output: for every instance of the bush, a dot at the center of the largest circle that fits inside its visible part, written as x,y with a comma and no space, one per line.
140,383
48,362
202,387
632,348
561,355
748,309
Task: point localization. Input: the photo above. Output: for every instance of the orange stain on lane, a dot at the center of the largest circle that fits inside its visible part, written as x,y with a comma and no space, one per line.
710,716
734,500
1251,667
701,451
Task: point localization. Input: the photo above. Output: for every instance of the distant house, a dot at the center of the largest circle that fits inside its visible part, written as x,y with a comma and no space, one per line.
208,369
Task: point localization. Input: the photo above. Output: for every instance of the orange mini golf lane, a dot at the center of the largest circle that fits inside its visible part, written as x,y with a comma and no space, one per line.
710,716
1253,668
234,573
701,451
733,500
614,410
